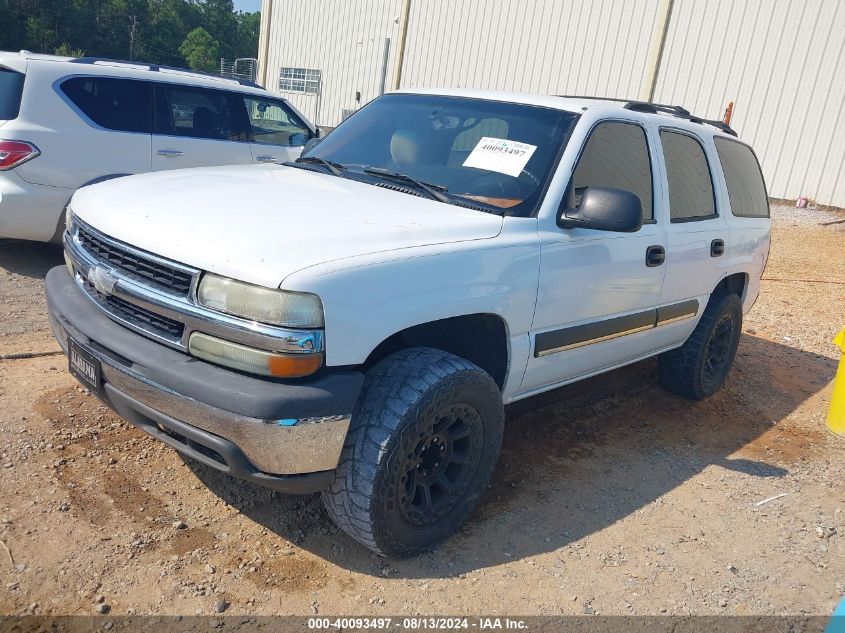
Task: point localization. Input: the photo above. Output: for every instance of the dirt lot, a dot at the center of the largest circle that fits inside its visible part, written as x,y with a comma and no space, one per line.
611,496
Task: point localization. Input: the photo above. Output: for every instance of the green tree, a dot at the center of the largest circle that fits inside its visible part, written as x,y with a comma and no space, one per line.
168,22
219,19
149,30
249,26
65,50
40,33
200,50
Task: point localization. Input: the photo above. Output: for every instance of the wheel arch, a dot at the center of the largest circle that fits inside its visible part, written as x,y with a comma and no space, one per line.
735,283
481,338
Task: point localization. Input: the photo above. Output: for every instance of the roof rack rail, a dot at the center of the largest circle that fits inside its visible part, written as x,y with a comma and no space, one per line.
678,111
660,108
158,67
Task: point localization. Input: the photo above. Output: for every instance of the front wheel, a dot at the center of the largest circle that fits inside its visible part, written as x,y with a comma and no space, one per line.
699,367
421,449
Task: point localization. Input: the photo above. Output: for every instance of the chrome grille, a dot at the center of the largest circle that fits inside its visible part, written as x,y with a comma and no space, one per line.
158,274
137,316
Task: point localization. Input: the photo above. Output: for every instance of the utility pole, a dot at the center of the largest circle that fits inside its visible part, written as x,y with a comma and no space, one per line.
132,37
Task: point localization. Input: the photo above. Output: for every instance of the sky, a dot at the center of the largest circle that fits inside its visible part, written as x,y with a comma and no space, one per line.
247,5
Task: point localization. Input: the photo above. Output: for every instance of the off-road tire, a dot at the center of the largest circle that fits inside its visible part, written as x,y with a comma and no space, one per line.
699,368
408,396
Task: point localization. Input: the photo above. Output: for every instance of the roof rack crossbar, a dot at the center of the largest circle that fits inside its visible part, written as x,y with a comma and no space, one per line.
159,67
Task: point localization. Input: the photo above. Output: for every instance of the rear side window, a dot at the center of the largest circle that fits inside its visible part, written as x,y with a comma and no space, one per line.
746,189
615,156
122,105
11,89
691,194
201,113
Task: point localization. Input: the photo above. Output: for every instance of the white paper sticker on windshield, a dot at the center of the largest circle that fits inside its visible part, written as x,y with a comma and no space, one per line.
501,155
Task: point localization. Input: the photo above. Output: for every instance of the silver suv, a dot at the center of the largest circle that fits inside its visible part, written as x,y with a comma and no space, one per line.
70,122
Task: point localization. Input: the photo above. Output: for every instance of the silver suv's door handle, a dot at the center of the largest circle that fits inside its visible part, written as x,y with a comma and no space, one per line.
170,152
266,159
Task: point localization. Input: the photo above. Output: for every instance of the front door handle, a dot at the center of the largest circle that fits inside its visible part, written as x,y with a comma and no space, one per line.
655,256
717,248
170,152
266,159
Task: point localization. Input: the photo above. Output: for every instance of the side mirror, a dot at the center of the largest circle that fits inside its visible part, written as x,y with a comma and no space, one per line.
312,142
318,133
604,209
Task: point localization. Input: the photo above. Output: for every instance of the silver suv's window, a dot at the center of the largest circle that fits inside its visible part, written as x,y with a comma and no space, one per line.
615,156
11,89
199,113
273,123
691,194
122,105
746,189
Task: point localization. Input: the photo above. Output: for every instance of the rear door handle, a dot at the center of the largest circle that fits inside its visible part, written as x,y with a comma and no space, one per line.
170,152
655,256
717,248
266,159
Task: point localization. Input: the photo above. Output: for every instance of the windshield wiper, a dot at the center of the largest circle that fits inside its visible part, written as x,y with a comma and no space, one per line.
434,191
332,166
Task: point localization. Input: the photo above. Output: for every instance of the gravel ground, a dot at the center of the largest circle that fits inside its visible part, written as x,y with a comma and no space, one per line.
611,496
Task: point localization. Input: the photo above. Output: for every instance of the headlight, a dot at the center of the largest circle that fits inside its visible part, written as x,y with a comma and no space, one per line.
68,219
276,307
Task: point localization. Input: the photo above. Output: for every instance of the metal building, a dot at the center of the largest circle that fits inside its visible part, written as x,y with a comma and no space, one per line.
780,62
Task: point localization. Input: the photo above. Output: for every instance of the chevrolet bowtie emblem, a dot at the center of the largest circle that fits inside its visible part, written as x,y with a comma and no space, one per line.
102,280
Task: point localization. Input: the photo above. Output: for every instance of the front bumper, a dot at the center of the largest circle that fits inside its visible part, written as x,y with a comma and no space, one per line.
225,419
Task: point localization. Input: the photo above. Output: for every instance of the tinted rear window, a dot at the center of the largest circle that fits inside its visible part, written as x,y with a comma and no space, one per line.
746,189
11,89
122,105
691,195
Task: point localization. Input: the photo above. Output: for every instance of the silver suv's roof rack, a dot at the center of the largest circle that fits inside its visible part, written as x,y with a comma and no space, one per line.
660,108
158,67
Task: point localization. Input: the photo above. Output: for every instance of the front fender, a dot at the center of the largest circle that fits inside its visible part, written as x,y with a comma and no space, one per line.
368,299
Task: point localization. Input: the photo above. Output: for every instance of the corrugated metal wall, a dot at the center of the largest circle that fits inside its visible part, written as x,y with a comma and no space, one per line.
344,39
780,61
583,47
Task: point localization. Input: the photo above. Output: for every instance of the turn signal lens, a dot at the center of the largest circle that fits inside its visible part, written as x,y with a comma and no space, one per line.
251,360
69,264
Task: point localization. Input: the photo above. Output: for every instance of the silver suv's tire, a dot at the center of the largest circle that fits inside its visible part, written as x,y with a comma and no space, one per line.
424,440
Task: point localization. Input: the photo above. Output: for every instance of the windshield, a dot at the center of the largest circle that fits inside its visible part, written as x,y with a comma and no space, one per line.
471,150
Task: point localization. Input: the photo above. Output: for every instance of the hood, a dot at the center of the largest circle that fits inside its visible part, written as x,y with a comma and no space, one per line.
259,224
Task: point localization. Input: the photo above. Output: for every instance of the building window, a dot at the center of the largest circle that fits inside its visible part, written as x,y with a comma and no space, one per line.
303,80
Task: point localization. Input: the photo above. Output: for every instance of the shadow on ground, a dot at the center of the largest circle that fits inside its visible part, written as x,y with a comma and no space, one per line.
580,458
30,259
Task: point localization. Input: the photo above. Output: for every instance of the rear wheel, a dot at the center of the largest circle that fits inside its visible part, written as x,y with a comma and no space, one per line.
699,367
423,443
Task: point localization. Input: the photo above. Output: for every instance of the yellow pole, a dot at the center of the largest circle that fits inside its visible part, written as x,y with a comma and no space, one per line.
836,415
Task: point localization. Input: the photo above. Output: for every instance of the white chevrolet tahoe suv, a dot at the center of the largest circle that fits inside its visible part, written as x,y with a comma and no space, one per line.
353,322
68,122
